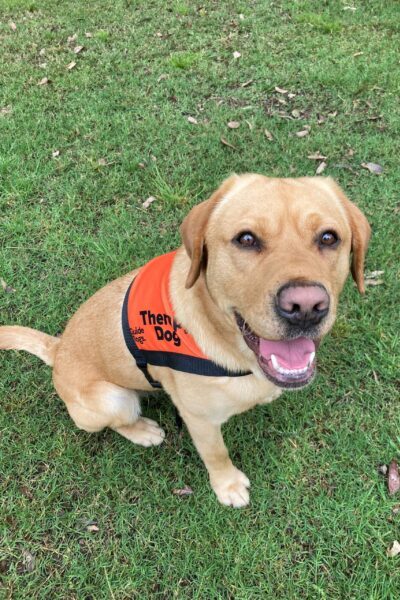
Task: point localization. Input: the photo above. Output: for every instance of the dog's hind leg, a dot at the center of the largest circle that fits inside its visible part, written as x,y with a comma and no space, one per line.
101,404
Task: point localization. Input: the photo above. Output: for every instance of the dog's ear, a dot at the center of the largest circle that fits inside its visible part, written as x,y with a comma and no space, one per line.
360,235
194,226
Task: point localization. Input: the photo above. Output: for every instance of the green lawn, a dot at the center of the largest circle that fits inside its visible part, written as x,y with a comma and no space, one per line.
320,519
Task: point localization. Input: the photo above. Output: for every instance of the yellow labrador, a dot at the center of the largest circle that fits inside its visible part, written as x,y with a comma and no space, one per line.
246,301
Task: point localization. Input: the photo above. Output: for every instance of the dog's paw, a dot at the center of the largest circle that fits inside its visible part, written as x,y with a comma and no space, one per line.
144,432
231,488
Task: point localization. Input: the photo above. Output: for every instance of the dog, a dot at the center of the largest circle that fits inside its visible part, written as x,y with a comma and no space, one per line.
245,303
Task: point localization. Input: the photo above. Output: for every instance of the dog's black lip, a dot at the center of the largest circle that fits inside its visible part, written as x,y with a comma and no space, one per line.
252,340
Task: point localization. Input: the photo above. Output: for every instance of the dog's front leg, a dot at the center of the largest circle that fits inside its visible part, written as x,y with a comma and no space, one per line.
229,484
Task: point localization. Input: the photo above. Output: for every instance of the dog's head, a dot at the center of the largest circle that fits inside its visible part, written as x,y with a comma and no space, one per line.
274,255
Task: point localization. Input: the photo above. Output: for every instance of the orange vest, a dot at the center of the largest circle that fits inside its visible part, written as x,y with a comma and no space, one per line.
151,332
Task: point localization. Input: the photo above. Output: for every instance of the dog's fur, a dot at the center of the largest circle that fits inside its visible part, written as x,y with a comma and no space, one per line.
95,374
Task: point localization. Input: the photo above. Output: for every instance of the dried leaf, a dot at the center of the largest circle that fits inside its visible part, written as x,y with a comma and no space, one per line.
44,81
393,478
43,65
88,34
246,83
394,549
291,96
321,119
92,528
233,124
317,156
28,562
296,113
6,110
7,288
332,114
55,153
236,54
358,54
281,90
78,49
71,66
396,509
142,165
186,491
373,274
192,120
268,135
374,282
225,143
284,115
321,168
373,168
382,469
303,132
162,77
42,52
102,162
72,38
147,202
13,26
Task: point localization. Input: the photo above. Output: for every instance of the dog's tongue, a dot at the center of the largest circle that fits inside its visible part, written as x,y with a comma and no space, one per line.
291,354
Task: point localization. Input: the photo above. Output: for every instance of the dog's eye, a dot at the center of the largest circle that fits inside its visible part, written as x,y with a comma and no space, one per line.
328,238
246,239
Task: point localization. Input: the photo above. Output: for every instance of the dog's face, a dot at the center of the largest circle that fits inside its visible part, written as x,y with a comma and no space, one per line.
275,255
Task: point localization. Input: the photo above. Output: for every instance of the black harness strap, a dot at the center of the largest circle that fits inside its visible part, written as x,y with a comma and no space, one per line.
132,347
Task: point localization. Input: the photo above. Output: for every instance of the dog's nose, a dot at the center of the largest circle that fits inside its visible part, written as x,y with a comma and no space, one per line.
303,305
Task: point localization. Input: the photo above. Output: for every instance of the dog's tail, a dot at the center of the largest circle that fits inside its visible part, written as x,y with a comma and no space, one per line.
23,338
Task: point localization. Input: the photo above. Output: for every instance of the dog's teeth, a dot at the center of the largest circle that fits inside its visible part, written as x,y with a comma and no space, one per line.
275,363
283,371
311,359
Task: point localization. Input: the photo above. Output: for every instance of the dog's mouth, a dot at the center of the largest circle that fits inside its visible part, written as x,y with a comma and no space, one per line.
287,363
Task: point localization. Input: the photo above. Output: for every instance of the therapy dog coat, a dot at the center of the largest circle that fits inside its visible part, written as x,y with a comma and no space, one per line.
151,332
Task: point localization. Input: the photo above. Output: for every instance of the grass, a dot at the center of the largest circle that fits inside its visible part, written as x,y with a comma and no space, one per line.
320,518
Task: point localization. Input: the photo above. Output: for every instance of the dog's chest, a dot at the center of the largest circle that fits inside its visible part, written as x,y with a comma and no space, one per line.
243,393
218,398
